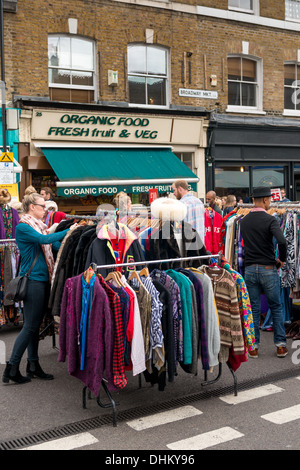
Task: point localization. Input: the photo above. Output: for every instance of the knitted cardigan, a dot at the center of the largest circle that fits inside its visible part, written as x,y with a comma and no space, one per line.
231,333
100,335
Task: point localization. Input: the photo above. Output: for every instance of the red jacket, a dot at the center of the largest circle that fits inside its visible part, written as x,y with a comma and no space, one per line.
213,224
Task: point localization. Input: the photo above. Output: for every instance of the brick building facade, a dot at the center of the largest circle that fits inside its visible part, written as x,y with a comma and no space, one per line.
229,67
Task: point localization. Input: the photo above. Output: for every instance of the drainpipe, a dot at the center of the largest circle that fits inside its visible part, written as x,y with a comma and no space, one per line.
2,83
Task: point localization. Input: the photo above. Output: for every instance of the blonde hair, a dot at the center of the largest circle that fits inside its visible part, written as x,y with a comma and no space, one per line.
30,190
219,202
30,199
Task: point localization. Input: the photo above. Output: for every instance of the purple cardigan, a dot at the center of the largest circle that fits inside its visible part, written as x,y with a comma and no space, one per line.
100,336
15,221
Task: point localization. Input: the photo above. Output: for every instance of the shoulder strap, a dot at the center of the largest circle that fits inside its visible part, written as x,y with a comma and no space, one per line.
33,263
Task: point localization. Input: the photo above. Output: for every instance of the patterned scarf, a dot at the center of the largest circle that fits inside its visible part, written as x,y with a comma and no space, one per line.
40,227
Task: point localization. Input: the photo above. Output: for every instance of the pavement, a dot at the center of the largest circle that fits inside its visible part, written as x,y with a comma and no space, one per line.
38,406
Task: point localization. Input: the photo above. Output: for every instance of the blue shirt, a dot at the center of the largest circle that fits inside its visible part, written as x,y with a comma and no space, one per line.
29,241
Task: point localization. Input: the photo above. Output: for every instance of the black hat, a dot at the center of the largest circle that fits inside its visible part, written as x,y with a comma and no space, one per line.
262,191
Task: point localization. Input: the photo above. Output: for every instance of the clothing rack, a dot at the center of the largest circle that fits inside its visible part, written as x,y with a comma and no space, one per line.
112,404
137,213
273,204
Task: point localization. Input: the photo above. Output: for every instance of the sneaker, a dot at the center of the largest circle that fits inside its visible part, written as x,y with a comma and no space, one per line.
253,353
282,351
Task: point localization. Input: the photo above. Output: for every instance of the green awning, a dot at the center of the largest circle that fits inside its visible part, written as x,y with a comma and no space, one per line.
91,170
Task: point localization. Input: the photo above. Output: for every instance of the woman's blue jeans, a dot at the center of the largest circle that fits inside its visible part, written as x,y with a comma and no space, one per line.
265,279
34,309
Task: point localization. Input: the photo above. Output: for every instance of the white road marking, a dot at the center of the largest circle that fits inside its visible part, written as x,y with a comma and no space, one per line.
66,443
252,394
207,439
163,418
283,416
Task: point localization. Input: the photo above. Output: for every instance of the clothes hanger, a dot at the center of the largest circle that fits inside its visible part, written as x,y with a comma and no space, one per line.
113,276
134,274
144,272
88,274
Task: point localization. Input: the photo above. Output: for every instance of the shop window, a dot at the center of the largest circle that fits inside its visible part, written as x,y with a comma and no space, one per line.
186,158
232,180
147,75
292,9
268,176
71,66
292,88
244,84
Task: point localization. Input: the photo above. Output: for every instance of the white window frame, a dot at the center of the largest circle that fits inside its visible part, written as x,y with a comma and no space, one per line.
93,87
258,109
253,11
146,105
291,112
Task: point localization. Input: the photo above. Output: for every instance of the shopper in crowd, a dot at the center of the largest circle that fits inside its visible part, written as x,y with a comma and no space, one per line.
211,199
230,204
283,195
195,207
47,193
31,238
29,190
223,199
258,229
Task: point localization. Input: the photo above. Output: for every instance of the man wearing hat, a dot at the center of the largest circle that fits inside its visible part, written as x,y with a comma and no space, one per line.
258,229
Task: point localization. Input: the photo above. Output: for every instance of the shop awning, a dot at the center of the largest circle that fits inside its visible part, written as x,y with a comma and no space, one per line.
94,171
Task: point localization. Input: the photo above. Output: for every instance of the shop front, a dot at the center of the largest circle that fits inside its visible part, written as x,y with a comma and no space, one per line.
255,152
88,157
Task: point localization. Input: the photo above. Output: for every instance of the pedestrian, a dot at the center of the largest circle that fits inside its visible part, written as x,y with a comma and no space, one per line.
47,193
31,238
29,190
258,229
230,204
211,199
195,207
223,199
283,195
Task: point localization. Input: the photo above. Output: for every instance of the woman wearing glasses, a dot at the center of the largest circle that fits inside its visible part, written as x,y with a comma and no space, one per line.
31,236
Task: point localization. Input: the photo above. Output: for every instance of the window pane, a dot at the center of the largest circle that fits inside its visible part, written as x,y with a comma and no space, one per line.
288,95
234,68
62,77
289,74
249,70
82,78
245,4
292,9
137,59
156,61
248,94
137,90
63,48
268,175
231,180
156,91
82,54
234,94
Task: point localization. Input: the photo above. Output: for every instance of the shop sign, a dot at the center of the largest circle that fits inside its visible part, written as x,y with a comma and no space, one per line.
276,194
113,128
6,168
82,191
206,94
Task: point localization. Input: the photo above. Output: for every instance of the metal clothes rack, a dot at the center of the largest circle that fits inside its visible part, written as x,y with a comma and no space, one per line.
112,404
